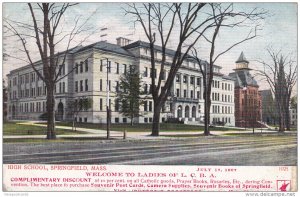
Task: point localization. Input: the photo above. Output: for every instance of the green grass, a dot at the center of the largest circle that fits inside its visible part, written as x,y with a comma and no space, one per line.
146,127
58,140
13,128
25,140
259,134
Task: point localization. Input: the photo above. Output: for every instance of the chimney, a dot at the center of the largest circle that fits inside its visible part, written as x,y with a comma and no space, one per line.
122,41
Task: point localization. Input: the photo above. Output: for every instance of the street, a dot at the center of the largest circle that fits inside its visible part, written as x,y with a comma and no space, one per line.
268,150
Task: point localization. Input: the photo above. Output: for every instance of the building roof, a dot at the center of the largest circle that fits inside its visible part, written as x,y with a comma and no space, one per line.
228,77
242,58
105,46
146,44
243,78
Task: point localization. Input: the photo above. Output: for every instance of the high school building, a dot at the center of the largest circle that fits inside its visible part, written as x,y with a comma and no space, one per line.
96,72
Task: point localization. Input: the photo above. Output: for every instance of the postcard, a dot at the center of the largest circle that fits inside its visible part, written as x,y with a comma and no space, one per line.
147,97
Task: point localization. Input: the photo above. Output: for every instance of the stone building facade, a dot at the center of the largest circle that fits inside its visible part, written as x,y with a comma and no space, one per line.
96,71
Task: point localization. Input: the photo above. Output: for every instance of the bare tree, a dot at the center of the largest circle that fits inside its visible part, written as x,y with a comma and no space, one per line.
77,106
224,17
46,30
179,21
281,75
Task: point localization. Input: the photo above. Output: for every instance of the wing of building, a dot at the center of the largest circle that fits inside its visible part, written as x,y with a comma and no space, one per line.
95,71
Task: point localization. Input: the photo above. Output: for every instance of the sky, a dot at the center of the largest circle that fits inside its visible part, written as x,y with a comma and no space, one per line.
278,30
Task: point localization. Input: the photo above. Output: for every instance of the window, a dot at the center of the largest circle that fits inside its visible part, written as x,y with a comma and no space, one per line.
222,86
86,62
198,81
85,119
63,87
117,86
146,88
76,68
32,78
184,93
109,67
86,85
81,85
116,120
100,84
153,74
192,80
164,75
81,67
146,72
184,79
63,69
198,94
26,79
145,106
101,104
177,92
125,68
150,119
101,65
60,70
145,120
177,78
117,67
150,88
76,86
117,105
109,85
60,87
124,120
192,94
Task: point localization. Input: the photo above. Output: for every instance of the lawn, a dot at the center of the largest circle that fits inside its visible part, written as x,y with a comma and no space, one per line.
14,128
146,127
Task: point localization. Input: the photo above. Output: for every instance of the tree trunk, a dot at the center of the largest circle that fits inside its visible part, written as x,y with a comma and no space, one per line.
51,112
281,120
155,123
287,116
131,120
207,104
73,125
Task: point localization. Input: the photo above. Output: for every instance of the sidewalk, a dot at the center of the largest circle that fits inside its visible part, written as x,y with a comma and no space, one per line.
96,133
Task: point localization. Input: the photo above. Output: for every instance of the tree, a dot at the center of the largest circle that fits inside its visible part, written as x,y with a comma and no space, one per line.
294,102
47,32
176,20
281,75
79,105
5,97
224,17
130,96
186,24
269,109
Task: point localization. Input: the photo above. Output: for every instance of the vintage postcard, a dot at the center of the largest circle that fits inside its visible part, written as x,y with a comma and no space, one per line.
147,97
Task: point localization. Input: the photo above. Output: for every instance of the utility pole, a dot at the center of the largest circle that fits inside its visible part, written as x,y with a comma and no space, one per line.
107,102
245,110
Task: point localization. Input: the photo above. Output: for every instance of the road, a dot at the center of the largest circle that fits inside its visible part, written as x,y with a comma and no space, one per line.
269,150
